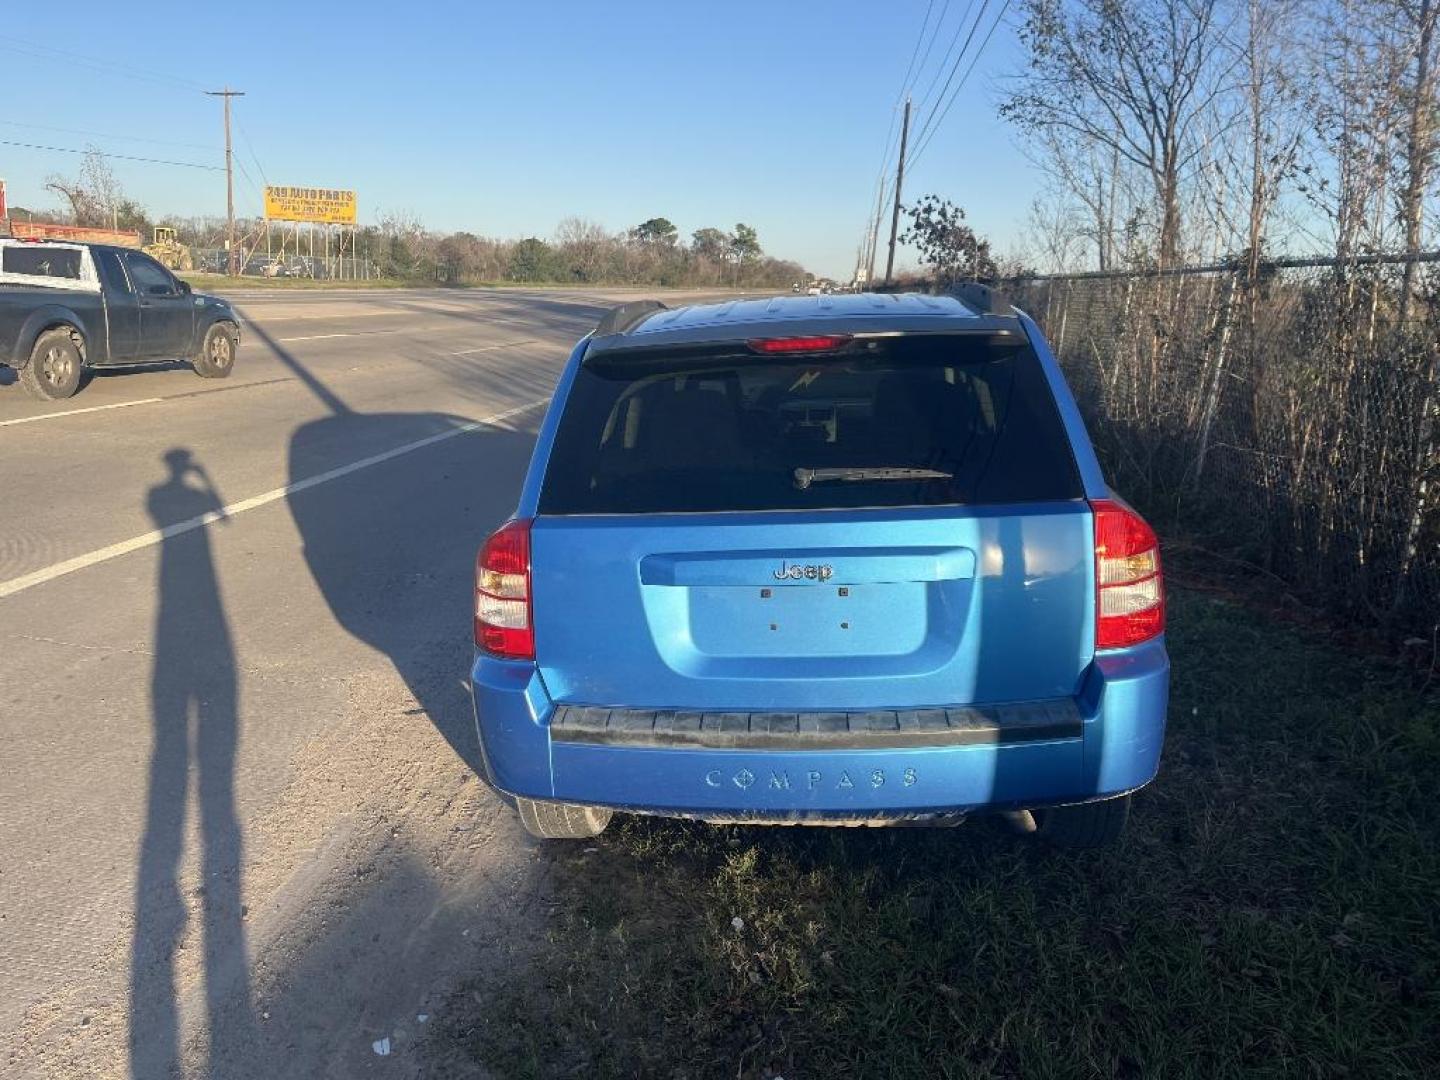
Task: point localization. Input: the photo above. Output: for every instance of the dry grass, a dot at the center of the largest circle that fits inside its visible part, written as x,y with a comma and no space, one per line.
1272,912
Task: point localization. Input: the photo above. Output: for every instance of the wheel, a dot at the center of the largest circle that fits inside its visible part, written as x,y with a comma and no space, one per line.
55,366
217,352
1087,825
561,821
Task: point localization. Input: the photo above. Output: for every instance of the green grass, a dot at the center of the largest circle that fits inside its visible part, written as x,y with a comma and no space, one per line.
1272,912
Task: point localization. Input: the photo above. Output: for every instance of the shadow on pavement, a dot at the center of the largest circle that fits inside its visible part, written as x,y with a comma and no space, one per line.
392,547
196,728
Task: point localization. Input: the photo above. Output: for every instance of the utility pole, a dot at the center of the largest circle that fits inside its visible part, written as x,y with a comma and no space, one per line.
874,236
899,182
227,94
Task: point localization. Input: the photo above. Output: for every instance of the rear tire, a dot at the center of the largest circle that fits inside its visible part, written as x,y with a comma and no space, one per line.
55,366
561,821
1087,825
216,358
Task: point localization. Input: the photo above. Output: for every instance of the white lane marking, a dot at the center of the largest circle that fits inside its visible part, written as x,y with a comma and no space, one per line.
492,348
257,316
156,536
409,330
242,386
315,337
77,412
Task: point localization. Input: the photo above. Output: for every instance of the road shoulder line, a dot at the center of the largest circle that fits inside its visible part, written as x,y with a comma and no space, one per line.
156,536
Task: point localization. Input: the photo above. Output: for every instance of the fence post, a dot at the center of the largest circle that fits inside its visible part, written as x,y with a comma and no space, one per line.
1212,395
1064,317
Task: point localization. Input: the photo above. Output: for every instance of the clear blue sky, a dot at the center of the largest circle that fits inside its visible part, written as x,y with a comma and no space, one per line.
504,118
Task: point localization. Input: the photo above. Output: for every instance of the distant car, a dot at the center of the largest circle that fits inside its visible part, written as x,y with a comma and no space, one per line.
813,290
781,562
65,308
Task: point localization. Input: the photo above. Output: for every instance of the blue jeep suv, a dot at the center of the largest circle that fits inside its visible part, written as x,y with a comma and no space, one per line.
819,560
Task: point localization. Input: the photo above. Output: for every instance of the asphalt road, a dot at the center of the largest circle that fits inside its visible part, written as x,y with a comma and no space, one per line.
239,833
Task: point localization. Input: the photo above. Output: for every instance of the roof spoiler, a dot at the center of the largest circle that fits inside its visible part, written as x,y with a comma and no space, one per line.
618,320
981,299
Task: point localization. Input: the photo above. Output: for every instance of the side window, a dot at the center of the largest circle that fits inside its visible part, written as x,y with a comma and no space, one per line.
112,274
149,276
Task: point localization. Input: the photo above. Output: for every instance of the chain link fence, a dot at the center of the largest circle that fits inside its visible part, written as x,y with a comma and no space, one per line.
334,267
1283,414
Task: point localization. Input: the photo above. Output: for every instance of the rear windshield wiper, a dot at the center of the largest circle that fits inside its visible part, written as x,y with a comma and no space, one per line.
805,477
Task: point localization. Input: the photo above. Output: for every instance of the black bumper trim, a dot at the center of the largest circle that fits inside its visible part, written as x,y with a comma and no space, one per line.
875,729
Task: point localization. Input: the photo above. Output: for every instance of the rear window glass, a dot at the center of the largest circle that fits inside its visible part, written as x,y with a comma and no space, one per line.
41,261
888,422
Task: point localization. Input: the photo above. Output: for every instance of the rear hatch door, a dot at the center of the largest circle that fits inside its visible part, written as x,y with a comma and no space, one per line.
887,522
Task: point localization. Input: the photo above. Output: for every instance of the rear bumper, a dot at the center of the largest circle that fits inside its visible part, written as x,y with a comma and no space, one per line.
1114,748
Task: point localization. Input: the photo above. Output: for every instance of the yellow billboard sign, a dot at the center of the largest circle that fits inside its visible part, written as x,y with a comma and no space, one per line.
325,205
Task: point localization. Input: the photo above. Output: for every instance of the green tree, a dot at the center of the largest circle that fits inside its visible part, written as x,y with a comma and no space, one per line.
709,243
946,243
744,244
657,231
531,260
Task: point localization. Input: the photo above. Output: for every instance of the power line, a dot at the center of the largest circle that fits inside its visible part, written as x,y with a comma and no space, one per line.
934,36
925,140
245,173
116,157
905,82
45,52
949,50
872,225
253,156
959,59
105,135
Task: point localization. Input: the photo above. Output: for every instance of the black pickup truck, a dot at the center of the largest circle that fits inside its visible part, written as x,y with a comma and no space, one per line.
66,307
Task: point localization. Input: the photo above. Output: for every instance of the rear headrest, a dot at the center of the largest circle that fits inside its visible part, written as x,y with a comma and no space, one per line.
692,427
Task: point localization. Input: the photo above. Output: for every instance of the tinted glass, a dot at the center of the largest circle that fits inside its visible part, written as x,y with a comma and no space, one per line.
147,274
750,433
41,261
111,272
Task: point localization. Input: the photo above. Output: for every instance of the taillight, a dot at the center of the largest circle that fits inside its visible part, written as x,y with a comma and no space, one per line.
819,343
503,626
1129,593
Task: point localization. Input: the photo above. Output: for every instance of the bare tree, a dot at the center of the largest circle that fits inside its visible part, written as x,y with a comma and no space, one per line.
583,245
95,198
1274,121
1419,20
1132,78
1095,179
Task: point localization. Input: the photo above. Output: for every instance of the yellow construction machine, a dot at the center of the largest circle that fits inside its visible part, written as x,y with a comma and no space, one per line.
169,251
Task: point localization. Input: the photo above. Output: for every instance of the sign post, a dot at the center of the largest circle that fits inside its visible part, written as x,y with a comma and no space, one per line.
311,206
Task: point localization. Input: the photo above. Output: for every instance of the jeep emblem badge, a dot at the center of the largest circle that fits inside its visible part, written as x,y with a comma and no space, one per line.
806,572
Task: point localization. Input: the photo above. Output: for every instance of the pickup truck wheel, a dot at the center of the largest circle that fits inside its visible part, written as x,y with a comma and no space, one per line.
55,367
561,821
217,353
1088,825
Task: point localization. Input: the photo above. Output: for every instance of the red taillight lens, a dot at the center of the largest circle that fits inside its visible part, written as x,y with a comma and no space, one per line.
503,626
824,343
1129,589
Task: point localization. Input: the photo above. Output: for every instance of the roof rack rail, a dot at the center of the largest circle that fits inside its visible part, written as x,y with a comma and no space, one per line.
982,299
619,319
